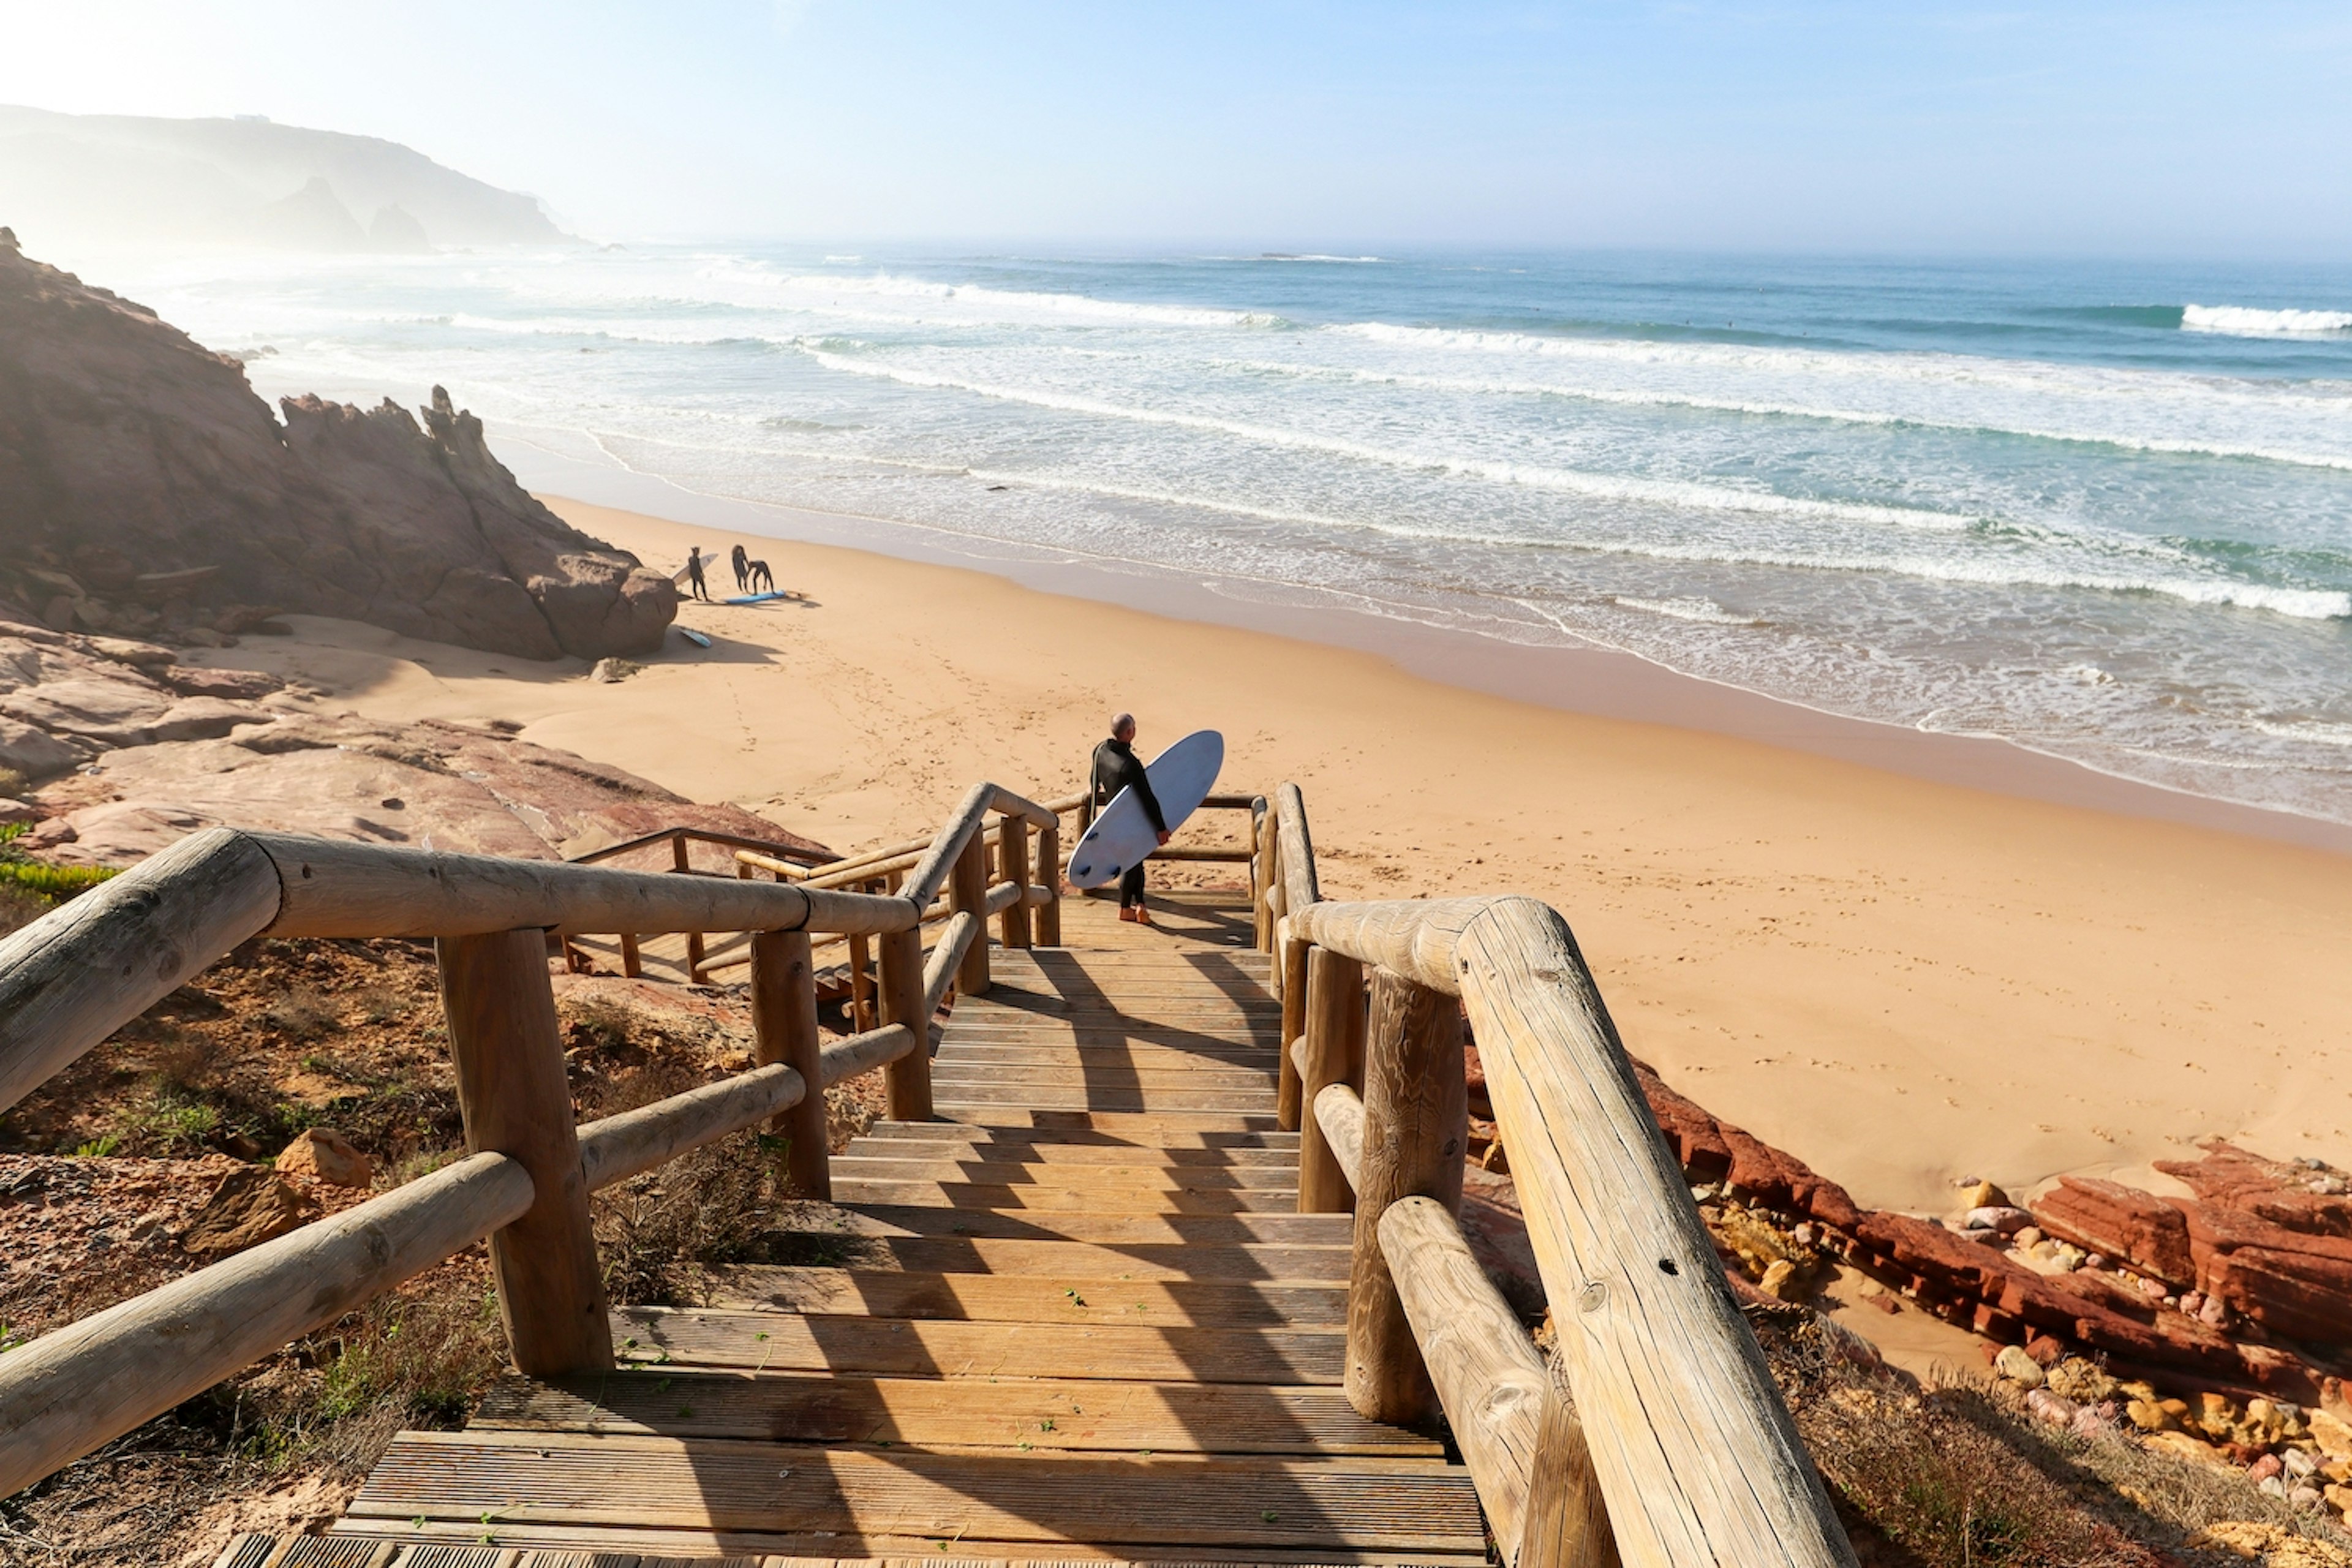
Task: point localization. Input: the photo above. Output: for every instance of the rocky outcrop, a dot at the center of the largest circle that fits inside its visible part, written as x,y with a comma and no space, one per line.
141,749
144,488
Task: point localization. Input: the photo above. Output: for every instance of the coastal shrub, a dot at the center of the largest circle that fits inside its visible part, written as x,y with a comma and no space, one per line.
303,1013
26,876
164,1121
12,782
660,1233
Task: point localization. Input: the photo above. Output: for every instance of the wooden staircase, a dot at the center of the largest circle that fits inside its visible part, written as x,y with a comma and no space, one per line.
1076,1317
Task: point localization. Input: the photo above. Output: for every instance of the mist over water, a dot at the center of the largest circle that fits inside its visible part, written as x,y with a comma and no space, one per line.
2104,513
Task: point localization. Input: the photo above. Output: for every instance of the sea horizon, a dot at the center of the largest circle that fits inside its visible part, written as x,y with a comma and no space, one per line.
2100,510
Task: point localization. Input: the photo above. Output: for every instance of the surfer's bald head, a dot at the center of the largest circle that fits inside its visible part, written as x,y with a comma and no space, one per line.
1122,726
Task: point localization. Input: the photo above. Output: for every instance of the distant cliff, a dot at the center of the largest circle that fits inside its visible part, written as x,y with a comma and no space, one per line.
144,488
82,179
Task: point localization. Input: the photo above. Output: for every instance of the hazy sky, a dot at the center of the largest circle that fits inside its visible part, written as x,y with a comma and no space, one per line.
2149,128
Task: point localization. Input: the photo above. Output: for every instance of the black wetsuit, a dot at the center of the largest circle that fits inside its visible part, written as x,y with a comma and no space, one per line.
1117,767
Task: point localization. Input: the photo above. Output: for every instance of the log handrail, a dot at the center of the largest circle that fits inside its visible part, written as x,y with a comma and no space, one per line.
1682,1437
808,859
73,977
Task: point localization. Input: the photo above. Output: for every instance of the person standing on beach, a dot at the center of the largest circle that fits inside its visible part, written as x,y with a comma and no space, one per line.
742,569
1117,767
694,572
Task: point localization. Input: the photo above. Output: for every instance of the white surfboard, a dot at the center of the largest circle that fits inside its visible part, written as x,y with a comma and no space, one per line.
1181,777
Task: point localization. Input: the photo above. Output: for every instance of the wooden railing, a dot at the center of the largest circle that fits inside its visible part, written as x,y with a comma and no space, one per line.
680,840
1668,1445
72,978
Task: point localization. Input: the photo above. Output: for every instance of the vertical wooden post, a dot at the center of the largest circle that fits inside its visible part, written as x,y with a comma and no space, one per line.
1333,1046
1291,967
783,1021
1269,877
679,862
861,977
1416,1125
908,1081
1012,858
512,1090
633,964
1049,871
1261,933
1567,1523
968,889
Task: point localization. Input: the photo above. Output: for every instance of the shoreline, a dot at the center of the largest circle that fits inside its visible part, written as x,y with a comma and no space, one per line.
1592,680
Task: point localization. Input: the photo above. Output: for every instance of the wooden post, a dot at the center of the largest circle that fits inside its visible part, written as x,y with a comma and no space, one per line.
633,964
1049,871
783,1020
1269,877
1567,1521
861,984
1333,1047
908,1080
1012,858
968,889
512,1090
679,862
1416,1123
1293,970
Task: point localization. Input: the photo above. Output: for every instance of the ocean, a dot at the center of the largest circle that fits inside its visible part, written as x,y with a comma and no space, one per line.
2102,511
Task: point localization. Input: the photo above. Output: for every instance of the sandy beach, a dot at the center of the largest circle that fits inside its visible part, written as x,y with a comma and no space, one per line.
1902,980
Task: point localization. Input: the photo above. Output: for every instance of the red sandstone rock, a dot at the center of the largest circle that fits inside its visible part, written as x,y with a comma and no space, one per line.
2121,1222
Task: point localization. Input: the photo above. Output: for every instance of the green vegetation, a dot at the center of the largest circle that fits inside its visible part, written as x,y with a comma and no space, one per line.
28,878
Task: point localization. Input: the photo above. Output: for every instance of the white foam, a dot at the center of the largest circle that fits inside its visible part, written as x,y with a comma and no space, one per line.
1707,612
2245,321
1603,486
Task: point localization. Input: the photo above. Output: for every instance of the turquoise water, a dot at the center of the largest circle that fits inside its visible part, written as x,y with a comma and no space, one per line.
2105,512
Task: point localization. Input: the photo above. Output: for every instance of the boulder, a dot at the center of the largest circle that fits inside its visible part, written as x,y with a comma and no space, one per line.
135,465
251,1206
323,1155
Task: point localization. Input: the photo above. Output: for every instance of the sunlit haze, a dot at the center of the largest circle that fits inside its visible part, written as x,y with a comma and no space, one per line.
2109,129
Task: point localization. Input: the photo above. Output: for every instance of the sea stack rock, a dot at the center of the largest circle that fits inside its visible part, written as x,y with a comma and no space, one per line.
145,489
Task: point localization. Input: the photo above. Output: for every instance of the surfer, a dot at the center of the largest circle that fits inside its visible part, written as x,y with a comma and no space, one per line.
1117,767
742,569
756,572
694,572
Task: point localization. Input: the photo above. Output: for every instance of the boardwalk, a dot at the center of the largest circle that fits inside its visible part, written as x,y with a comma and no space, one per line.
1076,1317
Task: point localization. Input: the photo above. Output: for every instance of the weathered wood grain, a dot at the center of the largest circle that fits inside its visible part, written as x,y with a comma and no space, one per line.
1329,1051
617,1147
1695,1454
73,1390
784,1031
1416,1125
82,970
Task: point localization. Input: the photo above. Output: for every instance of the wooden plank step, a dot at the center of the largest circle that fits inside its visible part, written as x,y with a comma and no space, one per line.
1027,1149
1157,1037
948,1065
1270,1261
422,1543
1171,1129
963,1196
1030,1299
495,1477
1110,1135
1000,1006
1064,1414
865,1166
1211,1230
945,1348
1045,1051
951,1097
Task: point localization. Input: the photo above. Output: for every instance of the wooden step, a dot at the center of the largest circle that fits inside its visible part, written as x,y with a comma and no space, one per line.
1028,1298
493,1479
930,1413
964,1196
950,1065
1270,1261
863,1166
1019,1148
1178,1141
1172,1130
951,1097
1214,1230
697,1336
1039,1050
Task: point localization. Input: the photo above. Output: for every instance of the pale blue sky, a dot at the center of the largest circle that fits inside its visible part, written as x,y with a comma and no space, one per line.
2148,129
